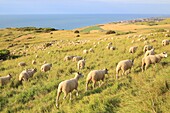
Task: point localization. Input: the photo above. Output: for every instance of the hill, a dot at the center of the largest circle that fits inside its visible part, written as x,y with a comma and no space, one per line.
138,92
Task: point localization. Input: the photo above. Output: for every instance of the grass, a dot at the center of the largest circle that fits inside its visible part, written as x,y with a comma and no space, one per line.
139,92
88,29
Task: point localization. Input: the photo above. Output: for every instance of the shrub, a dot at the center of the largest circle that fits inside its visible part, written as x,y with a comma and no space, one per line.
76,31
110,32
4,54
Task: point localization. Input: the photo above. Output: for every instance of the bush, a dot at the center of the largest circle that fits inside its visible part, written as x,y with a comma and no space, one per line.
76,31
4,54
110,32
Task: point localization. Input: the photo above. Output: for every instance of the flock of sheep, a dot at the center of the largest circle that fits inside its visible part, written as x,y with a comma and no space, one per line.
68,86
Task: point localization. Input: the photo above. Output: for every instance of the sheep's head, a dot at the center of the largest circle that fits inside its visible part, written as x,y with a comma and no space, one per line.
106,71
10,75
35,69
164,54
78,75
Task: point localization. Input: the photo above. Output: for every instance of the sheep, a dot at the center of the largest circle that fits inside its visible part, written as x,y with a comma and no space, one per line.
152,59
147,47
124,65
5,79
133,49
46,67
108,47
26,74
34,62
66,58
149,52
165,42
91,50
109,44
77,58
112,48
81,64
94,76
21,64
68,86
85,51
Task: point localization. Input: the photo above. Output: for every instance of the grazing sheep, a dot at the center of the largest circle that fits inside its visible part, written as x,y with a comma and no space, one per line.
109,44
34,62
77,58
68,86
147,47
152,59
66,58
112,48
149,52
81,64
21,64
124,65
46,67
94,76
26,74
165,42
91,50
85,51
108,47
133,49
5,79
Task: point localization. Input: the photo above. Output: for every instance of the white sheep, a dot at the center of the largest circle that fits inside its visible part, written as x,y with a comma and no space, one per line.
68,86
66,58
147,47
124,65
26,74
133,49
77,58
109,44
91,50
94,76
21,64
112,48
152,59
149,52
46,67
81,64
85,51
5,79
34,62
165,42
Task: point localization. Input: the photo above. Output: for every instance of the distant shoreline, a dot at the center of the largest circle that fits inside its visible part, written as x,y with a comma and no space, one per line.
73,21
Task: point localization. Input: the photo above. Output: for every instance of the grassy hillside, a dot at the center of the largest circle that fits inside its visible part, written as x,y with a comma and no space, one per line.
139,92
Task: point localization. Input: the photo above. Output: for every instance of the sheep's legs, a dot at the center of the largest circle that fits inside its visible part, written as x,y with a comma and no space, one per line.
94,83
146,66
65,95
77,93
87,85
57,98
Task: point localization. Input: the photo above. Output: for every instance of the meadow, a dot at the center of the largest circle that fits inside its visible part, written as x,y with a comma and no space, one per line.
138,92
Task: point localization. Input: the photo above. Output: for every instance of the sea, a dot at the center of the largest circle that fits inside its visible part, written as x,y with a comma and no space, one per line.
68,21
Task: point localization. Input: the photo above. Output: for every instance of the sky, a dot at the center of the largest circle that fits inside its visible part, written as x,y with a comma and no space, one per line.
84,6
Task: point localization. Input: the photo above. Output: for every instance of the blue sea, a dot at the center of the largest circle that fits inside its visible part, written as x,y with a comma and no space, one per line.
67,21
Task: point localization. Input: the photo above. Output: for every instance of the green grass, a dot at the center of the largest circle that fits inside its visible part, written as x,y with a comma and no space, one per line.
139,92
88,29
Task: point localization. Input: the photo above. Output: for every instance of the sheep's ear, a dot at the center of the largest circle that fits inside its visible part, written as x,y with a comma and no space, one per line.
78,73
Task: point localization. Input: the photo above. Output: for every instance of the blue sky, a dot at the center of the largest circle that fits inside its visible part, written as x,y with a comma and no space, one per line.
84,6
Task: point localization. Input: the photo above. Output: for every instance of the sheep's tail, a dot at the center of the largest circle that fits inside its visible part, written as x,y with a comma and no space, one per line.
117,71
58,95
